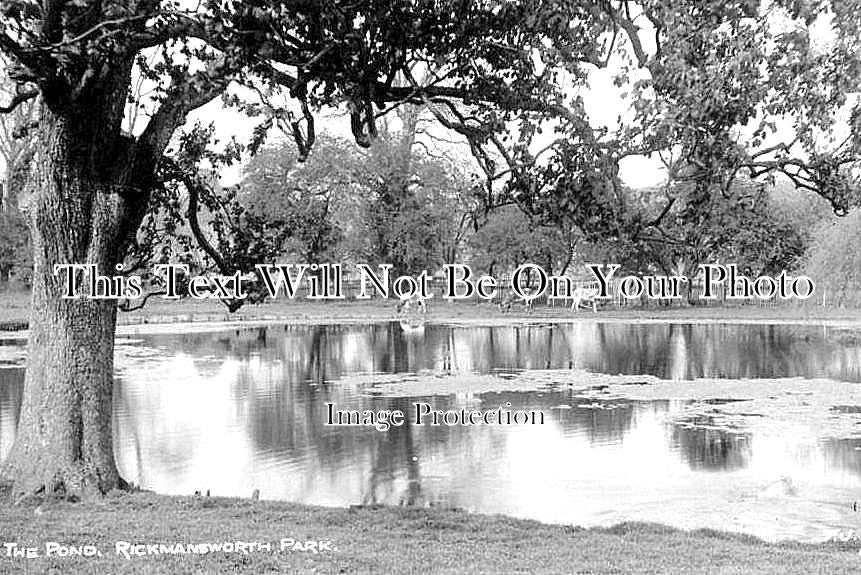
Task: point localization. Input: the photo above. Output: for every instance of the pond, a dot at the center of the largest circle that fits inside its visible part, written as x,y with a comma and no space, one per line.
751,428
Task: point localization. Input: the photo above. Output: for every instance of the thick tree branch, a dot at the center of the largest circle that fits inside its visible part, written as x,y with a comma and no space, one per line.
7,44
188,94
92,31
194,186
126,305
17,100
180,27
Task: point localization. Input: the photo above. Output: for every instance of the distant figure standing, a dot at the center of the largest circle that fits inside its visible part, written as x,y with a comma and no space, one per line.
512,298
584,295
406,303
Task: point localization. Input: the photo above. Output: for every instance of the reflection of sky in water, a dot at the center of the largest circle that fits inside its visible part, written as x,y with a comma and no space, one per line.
242,410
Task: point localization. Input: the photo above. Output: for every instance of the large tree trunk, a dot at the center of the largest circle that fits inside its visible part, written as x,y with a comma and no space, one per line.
80,212
64,439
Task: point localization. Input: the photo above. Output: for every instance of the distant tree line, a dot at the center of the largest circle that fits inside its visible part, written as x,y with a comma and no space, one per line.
417,211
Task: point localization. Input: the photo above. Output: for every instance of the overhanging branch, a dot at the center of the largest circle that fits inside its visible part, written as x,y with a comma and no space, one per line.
17,100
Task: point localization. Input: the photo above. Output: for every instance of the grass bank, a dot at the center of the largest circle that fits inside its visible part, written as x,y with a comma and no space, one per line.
381,540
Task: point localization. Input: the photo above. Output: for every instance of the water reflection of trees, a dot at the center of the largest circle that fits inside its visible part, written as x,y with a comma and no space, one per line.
600,423
681,351
280,383
712,449
397,452
278,380
283,372
684,351
843,453
11,389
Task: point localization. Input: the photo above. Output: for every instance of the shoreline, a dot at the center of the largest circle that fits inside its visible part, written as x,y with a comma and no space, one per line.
201,318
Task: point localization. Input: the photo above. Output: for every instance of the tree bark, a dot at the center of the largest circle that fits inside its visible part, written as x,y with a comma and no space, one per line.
81,211
64,441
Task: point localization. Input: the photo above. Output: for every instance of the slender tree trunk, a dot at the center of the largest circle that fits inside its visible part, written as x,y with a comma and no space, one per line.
79,213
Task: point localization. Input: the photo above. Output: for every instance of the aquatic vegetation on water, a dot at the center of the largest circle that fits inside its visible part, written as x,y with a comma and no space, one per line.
826,407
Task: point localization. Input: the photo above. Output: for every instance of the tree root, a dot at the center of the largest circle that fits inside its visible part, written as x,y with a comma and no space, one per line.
58,490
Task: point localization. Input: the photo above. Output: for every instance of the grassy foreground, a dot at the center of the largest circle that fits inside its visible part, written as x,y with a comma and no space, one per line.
381,540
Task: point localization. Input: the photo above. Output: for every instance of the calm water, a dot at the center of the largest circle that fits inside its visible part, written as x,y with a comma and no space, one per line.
234,411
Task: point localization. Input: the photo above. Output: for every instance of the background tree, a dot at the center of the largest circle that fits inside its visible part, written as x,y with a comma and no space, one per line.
16,149
764,229
833,261
346,204
15,140
509,238
418,211
308,207
13,244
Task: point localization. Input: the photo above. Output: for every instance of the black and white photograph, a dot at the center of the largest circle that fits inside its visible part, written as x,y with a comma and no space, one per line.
430,286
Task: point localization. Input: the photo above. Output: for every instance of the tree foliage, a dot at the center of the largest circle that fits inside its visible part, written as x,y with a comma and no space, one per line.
305,207
14,245
509,238
760,227
418,208
834,263
343,204
734,92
